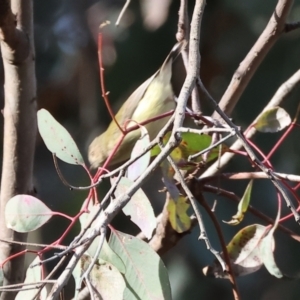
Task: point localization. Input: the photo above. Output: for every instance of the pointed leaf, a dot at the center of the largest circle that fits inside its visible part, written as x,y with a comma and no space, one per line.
267,249
273,120
57,139
33,275
138,208
24,213
242,207
139,166
267,254
145,273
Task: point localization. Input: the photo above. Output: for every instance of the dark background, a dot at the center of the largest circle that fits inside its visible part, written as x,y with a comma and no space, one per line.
68,86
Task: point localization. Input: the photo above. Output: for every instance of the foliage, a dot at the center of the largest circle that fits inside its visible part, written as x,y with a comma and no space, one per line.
112,264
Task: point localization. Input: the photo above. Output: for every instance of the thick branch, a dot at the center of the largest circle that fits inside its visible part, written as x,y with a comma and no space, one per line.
19,122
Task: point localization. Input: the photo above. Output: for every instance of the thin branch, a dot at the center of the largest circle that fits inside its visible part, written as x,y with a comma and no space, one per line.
115,206
183,34
194,66
193,201
122,12
254,211
259,175
292,26
281,94
226,256
275,180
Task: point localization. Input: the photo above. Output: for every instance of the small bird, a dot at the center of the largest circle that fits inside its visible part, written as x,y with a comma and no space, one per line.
151,99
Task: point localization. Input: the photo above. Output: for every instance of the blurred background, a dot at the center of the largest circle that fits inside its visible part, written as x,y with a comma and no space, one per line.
68,86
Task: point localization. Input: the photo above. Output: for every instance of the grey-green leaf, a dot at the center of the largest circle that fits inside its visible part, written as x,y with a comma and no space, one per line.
57,139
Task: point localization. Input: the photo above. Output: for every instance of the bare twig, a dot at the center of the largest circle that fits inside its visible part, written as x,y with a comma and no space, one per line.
122,12
193,201
260,175
254,211
229,269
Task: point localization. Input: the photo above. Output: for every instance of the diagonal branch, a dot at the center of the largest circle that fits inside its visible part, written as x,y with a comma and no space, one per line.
242,76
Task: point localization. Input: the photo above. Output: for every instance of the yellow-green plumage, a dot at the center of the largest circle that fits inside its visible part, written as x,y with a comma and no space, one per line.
153,98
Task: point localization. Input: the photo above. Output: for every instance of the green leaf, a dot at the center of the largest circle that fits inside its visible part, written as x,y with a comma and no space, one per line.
139,166
146,276
178,217
138,208
191,143
24,213
273,120
242,207
57,139
33,275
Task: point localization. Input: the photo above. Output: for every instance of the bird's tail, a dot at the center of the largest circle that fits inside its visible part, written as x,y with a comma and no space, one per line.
174,53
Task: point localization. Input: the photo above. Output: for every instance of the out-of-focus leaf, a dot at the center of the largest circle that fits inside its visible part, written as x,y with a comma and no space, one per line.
24,213
33,275
155,13
244,253
145,273
138,208
273,120
57,139
178,217
242,207
177,205
139,166
168,180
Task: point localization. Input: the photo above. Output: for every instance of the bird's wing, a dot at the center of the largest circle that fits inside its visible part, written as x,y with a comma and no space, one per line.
128,108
